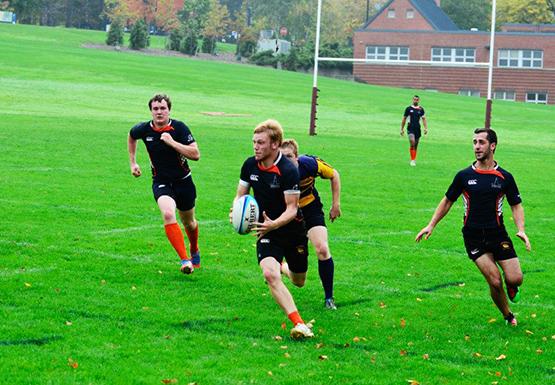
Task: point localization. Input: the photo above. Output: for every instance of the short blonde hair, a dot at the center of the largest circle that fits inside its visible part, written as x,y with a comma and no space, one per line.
292,144
273,128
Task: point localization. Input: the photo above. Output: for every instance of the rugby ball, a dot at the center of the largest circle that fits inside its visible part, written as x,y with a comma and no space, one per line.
245,214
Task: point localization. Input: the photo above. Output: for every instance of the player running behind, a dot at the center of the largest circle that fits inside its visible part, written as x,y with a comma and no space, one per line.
281,234
415,112
311,167
484,185
170,144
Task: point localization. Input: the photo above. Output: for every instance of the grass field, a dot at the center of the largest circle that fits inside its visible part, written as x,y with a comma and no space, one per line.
90,291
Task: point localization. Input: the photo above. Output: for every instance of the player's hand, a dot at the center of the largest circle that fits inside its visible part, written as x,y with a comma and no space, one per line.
425,131
135,170
262,228
335,212
402,132
426,232
522,235
166,138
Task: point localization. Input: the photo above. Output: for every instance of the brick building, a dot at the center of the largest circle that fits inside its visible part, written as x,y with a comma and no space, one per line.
524,57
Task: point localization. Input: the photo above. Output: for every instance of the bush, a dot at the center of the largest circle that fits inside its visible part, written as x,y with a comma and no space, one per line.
115,34
139,38
208,45
264,58
189,44
173,42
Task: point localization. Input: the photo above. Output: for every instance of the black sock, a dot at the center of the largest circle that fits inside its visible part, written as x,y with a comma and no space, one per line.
326,270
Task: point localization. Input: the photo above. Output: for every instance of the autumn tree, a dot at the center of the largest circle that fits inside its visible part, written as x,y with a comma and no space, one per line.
524,11
215,26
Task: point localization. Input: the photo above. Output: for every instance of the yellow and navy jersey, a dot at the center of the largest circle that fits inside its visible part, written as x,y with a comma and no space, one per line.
483,193
166,163
311,167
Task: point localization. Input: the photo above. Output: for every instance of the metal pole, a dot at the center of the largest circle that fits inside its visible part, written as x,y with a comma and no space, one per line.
490,70
313,118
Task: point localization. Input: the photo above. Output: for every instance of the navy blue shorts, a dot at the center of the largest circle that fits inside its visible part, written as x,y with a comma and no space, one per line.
293,248
182,191
495,241
414,131
313,214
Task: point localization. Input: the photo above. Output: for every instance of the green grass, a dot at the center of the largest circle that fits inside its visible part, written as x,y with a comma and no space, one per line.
88,279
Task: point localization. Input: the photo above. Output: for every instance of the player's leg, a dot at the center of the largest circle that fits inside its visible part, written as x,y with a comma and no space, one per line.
513,277
185,200
167,207
318,236
413,146
487,266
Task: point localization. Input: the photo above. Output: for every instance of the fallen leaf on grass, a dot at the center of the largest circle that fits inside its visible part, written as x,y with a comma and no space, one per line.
278,338
529,332
319,345
322,357
71,362
477,355
467,338
413,382
27,284
69,323
283,347
283,325
501,357
403,352
169,381
539,351
418,299
133,287
287,355
492,320
270,373
373,359
356,339
383,305
403,323
426,356
282,365
533,315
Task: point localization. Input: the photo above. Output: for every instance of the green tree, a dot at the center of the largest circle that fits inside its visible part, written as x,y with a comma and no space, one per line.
115,34
215,26
139,37
524,11
469,13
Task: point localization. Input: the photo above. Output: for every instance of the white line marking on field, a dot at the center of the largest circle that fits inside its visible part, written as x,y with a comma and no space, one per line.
10,242
125,229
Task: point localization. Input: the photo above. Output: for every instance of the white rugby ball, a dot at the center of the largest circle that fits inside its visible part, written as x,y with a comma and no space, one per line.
245,214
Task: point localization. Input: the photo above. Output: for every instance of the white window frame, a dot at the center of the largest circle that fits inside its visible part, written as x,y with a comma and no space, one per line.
454,54
505,95
469,92
391,13
536,98
520,58
409,13
391,53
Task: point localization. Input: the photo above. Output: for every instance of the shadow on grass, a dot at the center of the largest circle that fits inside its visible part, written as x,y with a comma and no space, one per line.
31,341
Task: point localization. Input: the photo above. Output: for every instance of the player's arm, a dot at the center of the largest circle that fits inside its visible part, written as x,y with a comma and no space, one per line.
292,204
189,151
425,122
335,210
403,125
132,149
441,211
518,218
243,188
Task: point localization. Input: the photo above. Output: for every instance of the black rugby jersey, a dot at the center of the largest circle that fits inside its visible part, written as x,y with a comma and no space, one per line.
269,186
311,167
415,113
483,192
166,163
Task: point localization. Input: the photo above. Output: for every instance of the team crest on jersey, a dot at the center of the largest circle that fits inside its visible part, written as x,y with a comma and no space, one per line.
275,182
149,138
472,182
496,183
254,177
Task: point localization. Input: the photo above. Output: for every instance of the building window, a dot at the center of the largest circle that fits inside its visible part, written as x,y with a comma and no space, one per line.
469,92
391,13
520,58
536,97
387,53
504,95
410,13
454,55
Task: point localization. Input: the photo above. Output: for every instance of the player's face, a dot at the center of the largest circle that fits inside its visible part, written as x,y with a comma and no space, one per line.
160,113
483,149
290,154
415,101
264,148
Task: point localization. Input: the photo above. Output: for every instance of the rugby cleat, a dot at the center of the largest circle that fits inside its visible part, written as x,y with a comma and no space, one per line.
329,303
513,292
511,320
412,163
195,258
187,266
301,331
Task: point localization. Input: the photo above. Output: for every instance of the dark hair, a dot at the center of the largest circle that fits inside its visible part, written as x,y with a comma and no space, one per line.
491,135
159,98
416,96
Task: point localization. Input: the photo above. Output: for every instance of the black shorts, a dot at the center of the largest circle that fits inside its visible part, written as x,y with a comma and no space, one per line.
313,214
496,241
182,191
414,131
294,248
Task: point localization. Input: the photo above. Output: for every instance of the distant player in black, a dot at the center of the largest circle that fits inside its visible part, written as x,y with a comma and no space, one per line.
414,112
170,144
281,235
311,167
484,185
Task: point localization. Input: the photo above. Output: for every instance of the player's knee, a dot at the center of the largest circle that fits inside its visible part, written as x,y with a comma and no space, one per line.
299,282
169,215
495,283
322,251
271,276
514,279
190,224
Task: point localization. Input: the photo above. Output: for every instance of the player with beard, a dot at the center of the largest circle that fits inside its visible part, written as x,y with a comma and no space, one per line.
484,185
414,112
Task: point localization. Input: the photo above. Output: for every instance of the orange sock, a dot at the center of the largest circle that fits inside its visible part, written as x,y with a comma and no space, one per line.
175,236
295,317
193,239
412,154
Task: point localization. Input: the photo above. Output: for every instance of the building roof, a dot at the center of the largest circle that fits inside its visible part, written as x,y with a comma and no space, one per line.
433,14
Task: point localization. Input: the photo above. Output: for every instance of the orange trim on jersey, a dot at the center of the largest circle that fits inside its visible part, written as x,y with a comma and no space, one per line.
495,171
166,128
273,169
467,211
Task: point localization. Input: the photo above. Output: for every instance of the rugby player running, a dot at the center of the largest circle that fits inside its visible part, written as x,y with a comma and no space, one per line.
484,185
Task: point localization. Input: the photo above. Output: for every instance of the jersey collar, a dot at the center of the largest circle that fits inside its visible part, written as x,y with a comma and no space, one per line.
166,128
273,168
494,171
